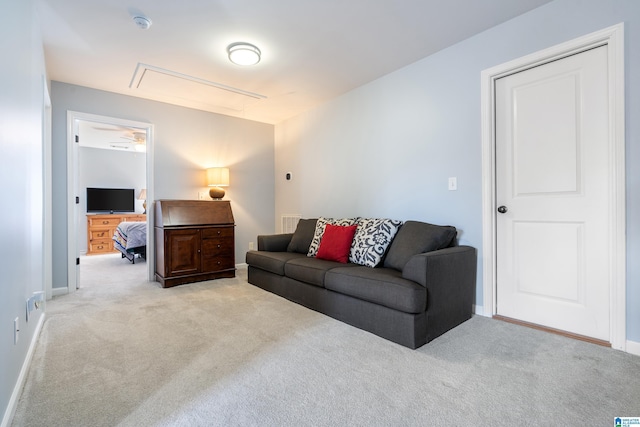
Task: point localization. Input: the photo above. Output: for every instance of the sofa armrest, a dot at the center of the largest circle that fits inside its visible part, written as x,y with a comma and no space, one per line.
274,242
450,278
441,264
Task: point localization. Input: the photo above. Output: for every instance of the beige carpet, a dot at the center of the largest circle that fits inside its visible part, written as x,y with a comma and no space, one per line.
125,352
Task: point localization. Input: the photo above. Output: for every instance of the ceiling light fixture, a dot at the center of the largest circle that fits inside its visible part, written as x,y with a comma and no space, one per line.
243,54
142,22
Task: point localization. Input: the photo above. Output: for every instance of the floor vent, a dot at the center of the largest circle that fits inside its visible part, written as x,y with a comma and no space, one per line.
289,223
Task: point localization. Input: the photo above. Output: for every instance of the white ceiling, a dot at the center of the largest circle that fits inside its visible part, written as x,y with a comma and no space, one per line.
312,50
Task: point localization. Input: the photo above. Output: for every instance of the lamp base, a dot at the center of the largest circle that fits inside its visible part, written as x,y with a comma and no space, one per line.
216,193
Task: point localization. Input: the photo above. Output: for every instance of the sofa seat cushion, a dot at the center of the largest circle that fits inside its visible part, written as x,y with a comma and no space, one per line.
384,286
309,270
271,261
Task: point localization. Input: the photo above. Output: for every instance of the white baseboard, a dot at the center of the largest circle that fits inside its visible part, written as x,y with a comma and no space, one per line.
59,291
242,266
633,347
478,310
17,389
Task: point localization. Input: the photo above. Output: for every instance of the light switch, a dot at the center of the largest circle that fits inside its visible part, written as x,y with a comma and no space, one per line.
453,183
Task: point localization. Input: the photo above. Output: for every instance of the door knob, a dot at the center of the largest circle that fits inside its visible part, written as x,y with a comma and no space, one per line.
502,209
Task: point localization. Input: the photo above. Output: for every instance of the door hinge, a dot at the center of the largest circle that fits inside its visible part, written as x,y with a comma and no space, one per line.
77,138
77,261
77,200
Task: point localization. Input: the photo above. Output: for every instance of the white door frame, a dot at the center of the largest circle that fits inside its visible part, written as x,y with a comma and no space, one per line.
72,234
614,38
47,198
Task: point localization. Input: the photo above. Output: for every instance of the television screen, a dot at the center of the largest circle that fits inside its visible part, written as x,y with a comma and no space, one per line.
110,200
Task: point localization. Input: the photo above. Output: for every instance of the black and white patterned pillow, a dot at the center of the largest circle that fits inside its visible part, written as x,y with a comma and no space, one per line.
320,226
372,238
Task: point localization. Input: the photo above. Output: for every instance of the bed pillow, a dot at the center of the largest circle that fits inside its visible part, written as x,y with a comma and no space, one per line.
415,238
372,239
303,236
336,243
319,231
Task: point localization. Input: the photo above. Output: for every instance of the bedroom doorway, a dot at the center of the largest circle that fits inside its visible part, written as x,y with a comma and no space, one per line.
119,155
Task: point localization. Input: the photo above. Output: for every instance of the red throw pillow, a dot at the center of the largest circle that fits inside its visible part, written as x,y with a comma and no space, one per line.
336,243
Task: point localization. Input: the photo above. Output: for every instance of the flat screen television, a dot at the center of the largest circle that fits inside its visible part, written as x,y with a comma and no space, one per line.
110,200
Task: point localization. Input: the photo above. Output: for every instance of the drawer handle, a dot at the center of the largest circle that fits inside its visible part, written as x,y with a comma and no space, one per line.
219,232
101,234
105,222
100,247
218,246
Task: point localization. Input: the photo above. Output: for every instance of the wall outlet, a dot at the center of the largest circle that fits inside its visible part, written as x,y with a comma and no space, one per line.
16,329
251,246
203,195
34,303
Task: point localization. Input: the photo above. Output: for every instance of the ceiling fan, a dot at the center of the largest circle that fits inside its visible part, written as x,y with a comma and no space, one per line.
136,138
132,145
136,135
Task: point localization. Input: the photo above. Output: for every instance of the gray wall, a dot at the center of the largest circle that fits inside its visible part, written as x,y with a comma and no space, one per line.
387,148
108,169
186,142
22,77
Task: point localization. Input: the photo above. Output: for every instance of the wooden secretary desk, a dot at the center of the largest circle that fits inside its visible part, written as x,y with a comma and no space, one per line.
194,241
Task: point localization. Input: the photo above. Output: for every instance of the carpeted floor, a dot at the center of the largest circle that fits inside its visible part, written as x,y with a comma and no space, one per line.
124,352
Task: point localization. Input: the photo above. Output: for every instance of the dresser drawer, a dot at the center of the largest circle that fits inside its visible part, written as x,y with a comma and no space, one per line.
101,248
209,233
215,247
218,263
100,242
135,218
101,234
104,222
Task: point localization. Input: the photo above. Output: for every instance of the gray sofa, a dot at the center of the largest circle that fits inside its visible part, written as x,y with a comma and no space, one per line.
423,287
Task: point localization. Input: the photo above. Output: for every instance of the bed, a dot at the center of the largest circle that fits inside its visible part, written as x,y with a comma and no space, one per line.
130,238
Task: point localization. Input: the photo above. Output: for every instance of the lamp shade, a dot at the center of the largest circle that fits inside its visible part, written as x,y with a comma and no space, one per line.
218,177
143,196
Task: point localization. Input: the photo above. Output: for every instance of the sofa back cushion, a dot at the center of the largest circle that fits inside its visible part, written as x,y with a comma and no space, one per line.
416,237
372,240
319,231
336,243
302,236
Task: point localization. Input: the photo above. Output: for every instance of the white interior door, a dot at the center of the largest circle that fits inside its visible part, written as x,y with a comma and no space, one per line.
553,255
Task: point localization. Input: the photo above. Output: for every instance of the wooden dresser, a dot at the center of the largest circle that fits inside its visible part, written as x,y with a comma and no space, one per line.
100,229
194,241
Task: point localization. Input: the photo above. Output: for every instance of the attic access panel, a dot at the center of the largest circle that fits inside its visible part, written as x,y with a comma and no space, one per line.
180,88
